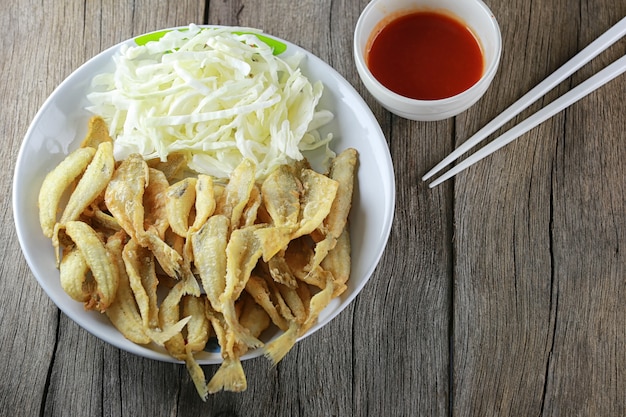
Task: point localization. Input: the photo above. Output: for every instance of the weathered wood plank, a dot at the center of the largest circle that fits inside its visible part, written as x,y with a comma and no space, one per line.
587,363
29,318
536,279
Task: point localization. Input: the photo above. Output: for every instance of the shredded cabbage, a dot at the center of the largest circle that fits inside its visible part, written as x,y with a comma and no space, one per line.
214,95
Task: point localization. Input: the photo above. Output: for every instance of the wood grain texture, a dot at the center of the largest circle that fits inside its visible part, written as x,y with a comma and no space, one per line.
28,317
500,292
537,279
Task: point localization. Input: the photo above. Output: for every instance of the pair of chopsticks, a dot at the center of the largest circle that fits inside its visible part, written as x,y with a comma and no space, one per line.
591,51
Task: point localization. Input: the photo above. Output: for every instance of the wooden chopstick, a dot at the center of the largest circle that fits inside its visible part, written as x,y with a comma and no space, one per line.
612,35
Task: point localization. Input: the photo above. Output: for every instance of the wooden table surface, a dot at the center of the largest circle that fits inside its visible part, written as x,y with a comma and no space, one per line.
501,292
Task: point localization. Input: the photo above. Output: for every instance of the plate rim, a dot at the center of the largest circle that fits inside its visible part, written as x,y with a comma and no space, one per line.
152,352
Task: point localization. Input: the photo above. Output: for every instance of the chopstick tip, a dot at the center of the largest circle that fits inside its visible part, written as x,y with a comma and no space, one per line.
430,173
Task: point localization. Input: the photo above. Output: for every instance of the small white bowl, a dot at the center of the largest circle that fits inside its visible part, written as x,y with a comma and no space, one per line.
473,13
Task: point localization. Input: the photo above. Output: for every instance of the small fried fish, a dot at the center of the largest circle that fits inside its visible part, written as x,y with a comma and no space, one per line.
97,257
124,199
56,182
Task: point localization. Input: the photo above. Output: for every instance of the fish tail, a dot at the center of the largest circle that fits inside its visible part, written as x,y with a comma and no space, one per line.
229,377
279,347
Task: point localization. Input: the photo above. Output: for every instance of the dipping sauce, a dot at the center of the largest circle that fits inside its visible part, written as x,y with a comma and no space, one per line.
425,55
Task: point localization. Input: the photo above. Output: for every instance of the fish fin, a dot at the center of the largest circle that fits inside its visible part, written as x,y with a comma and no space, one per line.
160,336
242,334
197,374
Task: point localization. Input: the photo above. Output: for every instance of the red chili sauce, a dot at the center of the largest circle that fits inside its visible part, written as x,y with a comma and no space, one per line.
425,55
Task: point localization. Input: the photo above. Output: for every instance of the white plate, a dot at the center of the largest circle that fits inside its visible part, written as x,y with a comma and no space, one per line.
60,125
